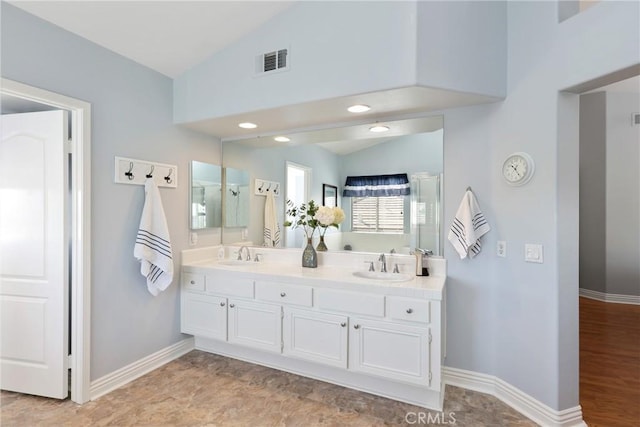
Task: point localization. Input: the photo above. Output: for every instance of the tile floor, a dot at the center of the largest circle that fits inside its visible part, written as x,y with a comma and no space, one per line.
202,389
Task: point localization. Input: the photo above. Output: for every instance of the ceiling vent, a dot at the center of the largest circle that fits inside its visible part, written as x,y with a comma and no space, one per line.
276,60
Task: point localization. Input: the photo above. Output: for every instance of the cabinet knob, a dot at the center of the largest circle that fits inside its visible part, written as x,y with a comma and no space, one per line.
409,310
232,305
356,326
282,294
343,324
222,304
193,282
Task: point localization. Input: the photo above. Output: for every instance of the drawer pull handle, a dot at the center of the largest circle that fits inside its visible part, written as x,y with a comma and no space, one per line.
343,324
356,326
232,305
282,294
409,310
193,282
222,304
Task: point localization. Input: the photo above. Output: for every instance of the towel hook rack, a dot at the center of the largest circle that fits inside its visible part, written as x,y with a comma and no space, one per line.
129,173
168,177
150,174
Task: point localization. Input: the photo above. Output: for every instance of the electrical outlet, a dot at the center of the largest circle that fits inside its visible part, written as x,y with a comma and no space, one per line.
193,238
533,253
501,249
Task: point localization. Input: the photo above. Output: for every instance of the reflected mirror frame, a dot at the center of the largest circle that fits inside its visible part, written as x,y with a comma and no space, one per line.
191,199
329,195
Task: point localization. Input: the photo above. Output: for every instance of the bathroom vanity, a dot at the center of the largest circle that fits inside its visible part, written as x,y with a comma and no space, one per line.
379,333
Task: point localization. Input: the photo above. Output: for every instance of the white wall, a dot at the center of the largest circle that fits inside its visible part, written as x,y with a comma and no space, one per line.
622,195
131,117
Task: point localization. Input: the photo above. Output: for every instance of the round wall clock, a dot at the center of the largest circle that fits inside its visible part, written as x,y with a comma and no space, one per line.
518,168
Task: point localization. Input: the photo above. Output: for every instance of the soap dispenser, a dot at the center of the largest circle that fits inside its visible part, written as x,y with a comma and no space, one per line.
421,261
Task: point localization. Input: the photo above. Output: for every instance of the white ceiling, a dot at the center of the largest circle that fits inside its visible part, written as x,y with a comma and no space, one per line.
167,36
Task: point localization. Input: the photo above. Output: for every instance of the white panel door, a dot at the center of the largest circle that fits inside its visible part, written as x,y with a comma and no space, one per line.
204,315
257,325
319,337
390,350
34,254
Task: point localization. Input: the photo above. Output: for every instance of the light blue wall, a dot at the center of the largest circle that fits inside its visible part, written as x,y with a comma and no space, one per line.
462,46
131,117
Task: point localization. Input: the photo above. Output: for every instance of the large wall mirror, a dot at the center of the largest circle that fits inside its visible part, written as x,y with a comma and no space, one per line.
410,146
205,201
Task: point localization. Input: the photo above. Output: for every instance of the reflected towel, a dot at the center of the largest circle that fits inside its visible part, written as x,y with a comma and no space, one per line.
153,245
468,226
271,226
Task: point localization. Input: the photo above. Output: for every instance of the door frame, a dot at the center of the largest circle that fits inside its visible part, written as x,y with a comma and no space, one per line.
80,272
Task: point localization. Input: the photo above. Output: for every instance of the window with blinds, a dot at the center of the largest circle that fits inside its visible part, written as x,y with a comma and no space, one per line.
377,214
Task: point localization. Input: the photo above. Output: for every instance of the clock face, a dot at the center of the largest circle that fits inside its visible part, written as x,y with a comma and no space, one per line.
518,168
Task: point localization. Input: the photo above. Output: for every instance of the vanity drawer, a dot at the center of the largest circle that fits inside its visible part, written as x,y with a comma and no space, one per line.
193,281
234,286
284,293
409,309
350,302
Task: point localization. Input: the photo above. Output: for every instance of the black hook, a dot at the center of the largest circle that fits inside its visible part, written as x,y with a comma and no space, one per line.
168,177
150,174
128,173
269,188
275,191
261,185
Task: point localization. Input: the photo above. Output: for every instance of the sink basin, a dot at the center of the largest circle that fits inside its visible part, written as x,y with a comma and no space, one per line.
237,262
387,277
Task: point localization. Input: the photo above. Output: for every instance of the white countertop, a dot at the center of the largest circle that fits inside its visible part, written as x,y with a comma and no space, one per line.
329,276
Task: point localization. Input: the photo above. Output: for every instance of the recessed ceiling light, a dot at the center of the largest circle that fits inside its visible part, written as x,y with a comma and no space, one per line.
358,108
378,128
282,139
248,125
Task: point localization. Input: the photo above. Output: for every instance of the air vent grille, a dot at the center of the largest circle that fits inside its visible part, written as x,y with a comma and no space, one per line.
272,61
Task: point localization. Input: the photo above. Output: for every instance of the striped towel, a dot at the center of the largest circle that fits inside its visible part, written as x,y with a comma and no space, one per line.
271,226
153,245
467,227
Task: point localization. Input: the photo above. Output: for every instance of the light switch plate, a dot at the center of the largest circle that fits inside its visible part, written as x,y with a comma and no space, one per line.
533,253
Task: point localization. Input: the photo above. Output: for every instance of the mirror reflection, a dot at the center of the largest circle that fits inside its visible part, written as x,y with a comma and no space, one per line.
236,198
205,196
372,224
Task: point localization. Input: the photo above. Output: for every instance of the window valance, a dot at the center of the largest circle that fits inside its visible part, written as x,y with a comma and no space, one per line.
377,186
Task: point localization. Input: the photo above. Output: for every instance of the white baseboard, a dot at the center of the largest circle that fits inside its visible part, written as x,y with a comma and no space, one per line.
521,402
125,375
615,298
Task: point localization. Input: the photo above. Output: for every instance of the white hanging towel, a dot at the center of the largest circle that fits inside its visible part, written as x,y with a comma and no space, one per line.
153,245
271,226
468,226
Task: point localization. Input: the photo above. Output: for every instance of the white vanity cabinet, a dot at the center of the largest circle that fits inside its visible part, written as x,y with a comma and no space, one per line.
386,342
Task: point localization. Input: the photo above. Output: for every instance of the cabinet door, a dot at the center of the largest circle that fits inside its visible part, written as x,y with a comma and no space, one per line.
255,324
390,350
204,315
315,336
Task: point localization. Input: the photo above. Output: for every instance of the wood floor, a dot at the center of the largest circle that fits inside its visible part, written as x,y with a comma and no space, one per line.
609,363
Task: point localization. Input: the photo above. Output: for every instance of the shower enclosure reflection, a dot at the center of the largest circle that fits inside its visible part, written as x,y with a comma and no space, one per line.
205,196
236,198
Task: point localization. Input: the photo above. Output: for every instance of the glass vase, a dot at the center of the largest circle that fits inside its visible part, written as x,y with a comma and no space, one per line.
321,245
309,255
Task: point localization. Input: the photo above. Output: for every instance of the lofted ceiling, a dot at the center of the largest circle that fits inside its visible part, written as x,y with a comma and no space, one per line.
167,36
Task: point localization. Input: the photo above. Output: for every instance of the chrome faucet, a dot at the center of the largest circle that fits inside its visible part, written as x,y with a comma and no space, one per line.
248,258
383,267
